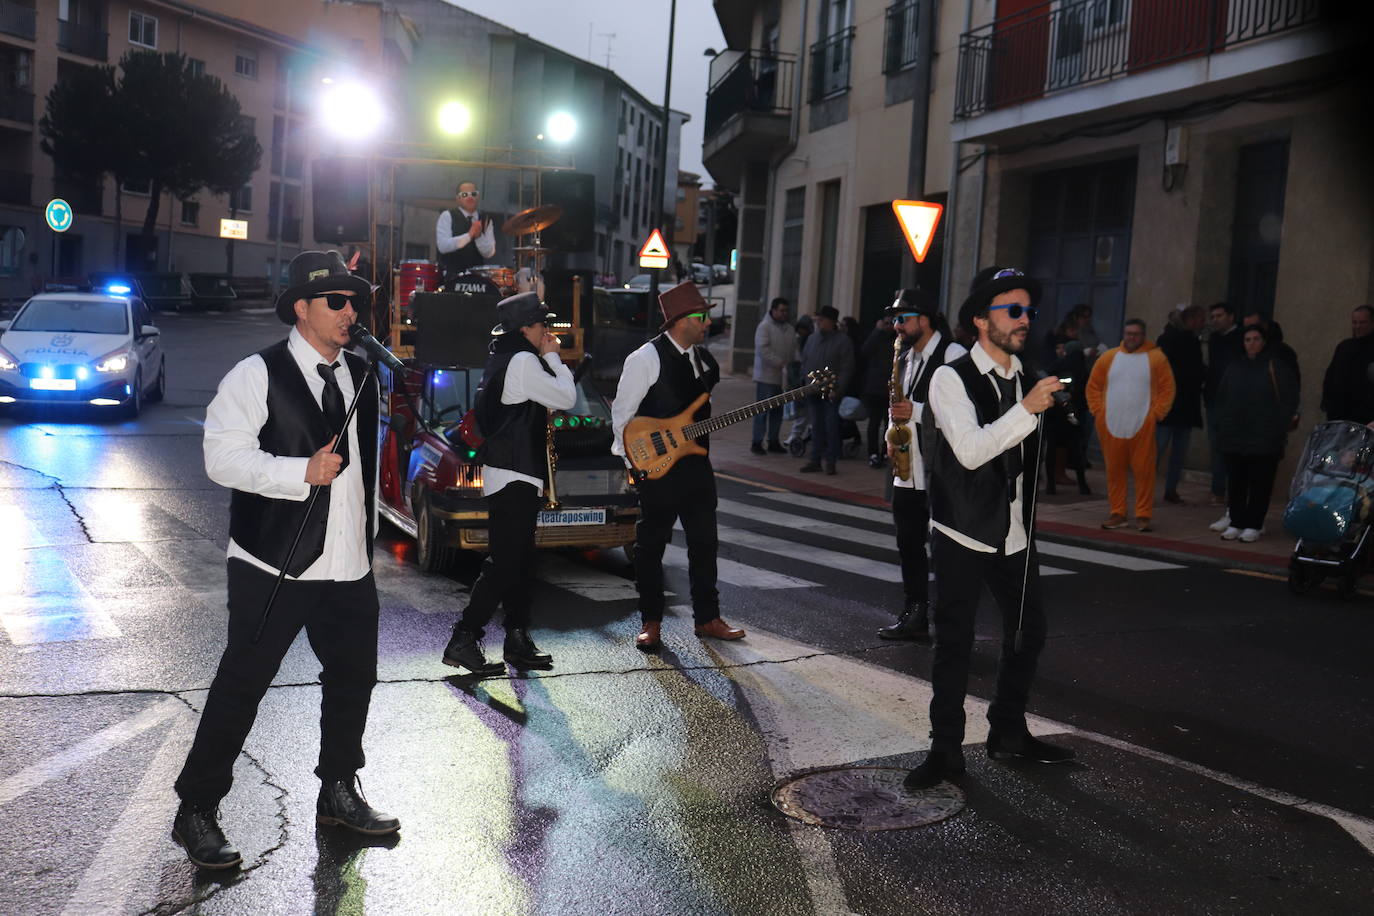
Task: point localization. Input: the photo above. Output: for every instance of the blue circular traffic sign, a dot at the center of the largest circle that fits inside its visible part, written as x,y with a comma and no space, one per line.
58,213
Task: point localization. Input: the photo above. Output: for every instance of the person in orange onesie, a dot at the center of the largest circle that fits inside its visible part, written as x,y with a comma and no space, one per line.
1129,391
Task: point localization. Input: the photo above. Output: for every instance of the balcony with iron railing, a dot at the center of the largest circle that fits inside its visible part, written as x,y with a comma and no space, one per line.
748,109
1055,47
18,20
16,105
84,40
899,39
830,59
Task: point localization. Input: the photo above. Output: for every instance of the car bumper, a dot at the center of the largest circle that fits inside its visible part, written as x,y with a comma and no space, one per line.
16,389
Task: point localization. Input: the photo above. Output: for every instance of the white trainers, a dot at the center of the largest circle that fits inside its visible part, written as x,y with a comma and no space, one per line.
1230,534
1250,535
1222,523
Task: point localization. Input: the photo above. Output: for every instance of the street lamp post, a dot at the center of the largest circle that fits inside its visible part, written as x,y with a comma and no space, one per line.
661,221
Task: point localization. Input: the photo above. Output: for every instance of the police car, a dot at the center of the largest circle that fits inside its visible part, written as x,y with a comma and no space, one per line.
97,348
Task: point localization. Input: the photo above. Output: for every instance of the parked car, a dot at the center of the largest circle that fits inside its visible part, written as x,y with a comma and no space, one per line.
701,273
638,282
100,349
721,273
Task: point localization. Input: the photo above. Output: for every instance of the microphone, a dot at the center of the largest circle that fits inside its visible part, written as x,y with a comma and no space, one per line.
363,338
1061,397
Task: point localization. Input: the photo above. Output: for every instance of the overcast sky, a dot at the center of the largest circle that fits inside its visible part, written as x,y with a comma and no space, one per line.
638,51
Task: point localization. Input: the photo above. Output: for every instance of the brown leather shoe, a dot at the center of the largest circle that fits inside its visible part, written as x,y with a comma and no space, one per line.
648,639
1143,524
1115,521
719,629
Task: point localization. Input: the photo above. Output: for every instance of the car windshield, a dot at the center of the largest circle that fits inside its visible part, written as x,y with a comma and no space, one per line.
80,316
451,392
638,280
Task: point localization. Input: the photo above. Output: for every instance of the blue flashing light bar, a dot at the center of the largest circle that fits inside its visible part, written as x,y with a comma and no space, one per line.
118,289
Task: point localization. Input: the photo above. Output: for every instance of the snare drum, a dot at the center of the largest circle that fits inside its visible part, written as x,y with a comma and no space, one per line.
503,277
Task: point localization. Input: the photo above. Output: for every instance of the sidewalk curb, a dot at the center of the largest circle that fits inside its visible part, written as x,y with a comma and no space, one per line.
1141,544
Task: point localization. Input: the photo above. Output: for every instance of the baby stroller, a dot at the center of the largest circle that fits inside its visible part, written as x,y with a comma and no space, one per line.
1331,506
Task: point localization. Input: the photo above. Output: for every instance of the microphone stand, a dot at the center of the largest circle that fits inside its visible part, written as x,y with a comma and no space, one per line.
310,507
1030,526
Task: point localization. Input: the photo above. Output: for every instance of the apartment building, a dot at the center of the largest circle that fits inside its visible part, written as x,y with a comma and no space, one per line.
687,221
251,45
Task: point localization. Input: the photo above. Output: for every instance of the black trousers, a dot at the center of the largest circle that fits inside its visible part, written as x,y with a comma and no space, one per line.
508,571
959,577
340,620
877,423
1250,482
687,492
911,515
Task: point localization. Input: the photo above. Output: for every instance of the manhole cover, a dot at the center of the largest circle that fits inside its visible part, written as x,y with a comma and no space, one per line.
864,798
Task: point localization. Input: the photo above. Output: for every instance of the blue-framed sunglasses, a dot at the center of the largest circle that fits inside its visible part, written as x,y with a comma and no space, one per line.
1015,310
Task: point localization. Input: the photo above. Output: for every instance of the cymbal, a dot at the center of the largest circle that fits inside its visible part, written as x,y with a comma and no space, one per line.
535,248
532,220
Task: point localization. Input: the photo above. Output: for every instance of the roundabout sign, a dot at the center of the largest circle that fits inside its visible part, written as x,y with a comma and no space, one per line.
59,215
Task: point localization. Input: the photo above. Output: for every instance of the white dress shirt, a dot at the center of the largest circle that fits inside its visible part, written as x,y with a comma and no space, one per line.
976,445
915,365
636,378
447,242
525,381
234,459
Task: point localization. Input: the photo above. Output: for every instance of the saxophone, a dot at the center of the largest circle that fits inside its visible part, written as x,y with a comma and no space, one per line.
898,436
551,463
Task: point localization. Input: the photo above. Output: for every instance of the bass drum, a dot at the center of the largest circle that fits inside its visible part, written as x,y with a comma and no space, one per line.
502,277
471,282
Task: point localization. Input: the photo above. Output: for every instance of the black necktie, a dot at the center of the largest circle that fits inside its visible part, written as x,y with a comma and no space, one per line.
333,405
1011,458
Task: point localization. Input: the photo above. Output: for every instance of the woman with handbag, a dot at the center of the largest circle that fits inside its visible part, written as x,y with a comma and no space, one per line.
1257,406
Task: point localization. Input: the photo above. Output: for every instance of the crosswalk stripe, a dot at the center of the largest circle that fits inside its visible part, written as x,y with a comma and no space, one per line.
732,573
1114,560
828,559
588,581
831,530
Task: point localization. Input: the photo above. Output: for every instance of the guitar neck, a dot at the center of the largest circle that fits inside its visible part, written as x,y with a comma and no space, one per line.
711,424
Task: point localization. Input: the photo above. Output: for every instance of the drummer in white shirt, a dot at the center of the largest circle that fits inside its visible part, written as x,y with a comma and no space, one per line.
465,240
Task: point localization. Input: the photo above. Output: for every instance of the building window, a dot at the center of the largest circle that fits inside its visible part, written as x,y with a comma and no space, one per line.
246,63
190,213
140,186
197,67
242,202
793,226
142,30
830,223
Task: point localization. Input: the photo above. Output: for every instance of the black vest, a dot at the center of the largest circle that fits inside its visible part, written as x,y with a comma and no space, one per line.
974,503
296,428
465,258
677,385
515,435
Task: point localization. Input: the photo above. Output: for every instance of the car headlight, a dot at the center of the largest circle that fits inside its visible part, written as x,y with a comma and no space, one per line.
7,361
115,362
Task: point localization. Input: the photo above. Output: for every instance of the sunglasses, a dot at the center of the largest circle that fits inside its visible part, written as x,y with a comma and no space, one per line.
337,301
1015,310
699,316
904,316
463,195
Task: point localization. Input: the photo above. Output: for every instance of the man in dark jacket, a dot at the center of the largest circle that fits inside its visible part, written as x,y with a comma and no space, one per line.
1183,349
829,348
1223,346
1348,388
876,357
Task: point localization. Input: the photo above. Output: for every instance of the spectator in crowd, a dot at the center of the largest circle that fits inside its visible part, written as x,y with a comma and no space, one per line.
876,357
1348,387
800,431
1223,346
831,348
1064,425
1257,405
1130,389
1183,348
1273,335
849,429
775,346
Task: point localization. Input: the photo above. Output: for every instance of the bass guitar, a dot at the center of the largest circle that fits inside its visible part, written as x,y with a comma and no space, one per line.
654,444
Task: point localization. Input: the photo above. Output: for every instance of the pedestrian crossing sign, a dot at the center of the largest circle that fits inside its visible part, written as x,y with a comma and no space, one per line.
654,255
919,219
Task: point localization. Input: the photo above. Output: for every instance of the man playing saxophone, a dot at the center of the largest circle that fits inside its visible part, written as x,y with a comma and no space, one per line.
923,344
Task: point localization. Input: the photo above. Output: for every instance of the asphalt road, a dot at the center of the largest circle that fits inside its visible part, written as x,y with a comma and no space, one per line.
1223,730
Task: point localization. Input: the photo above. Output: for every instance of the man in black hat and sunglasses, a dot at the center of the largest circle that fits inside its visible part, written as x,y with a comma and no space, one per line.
983,451
270,433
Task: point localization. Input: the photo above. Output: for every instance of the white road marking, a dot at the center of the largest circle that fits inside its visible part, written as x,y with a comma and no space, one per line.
1102,557
589,582
881,516
64,762
732,573
817,556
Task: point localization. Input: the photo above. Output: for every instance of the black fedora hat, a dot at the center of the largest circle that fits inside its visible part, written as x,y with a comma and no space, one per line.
520,311
913,299
990,283
313,272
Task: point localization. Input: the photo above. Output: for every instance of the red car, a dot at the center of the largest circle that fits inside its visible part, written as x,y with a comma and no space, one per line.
431,487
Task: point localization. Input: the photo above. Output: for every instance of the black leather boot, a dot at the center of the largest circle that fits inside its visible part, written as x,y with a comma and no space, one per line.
197,831
464,650
940,764
521,651
913,624
341,804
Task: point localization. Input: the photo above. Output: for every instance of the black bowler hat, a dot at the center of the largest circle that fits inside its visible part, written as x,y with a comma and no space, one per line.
915,299
520,311
313,272
990,283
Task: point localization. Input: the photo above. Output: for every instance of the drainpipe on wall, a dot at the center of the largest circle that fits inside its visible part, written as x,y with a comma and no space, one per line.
920,118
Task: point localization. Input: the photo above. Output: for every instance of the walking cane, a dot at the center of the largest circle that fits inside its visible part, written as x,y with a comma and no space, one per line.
309,509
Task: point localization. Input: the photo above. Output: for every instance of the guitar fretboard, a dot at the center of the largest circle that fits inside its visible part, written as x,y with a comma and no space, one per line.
711,424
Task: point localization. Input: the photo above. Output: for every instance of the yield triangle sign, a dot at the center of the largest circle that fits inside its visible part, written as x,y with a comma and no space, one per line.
654,254
918,219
